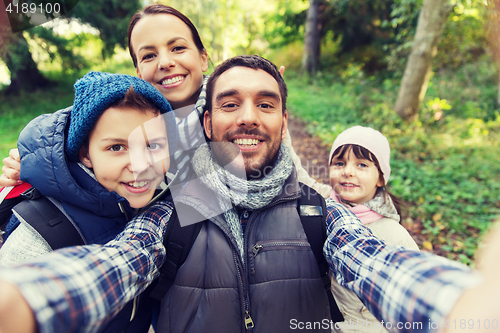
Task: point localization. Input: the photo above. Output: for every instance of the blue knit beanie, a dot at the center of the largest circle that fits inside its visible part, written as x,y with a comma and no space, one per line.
95,92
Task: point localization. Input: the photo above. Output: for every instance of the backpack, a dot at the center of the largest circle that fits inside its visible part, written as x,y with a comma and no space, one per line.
178,241
50,222
45,217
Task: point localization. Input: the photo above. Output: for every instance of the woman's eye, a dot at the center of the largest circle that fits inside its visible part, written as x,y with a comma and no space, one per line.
178,48
116,148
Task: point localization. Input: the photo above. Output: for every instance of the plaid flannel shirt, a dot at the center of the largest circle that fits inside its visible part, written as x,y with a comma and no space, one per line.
79,289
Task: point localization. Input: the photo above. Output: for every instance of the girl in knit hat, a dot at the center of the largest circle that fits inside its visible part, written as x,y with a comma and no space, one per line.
359,171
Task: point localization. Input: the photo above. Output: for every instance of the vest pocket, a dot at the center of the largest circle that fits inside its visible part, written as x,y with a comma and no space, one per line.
278,245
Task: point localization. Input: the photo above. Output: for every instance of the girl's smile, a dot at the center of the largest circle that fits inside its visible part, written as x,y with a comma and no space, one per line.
354,179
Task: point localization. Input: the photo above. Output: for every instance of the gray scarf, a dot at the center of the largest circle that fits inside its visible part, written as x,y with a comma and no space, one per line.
233,191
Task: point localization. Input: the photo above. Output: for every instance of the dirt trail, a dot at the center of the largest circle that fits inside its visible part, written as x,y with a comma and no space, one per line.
312,151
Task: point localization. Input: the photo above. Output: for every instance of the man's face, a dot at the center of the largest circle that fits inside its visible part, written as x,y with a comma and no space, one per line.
247,115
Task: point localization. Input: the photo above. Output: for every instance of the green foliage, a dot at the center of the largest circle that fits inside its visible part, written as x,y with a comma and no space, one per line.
57,47
444,164
18,111
286,25
110,17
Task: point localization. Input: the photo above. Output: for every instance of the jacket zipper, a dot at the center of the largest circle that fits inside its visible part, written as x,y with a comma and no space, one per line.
279,244
249,323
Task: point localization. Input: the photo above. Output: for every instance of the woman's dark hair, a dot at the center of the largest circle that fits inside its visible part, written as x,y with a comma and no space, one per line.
162,9
363,153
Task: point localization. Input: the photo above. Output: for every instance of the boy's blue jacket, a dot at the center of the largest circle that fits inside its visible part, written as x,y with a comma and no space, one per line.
95,210
99,214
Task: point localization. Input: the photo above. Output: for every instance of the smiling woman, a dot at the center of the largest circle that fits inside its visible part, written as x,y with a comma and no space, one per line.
172,58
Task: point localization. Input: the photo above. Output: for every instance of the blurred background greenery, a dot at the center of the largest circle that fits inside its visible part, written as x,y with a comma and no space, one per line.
445,160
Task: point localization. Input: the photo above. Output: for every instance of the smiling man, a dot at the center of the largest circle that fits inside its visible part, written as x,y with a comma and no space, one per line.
251,267
248,110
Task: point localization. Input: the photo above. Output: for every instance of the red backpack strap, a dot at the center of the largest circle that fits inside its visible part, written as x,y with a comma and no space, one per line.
14,192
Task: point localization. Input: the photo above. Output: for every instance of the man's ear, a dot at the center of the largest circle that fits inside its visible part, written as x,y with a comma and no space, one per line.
84,157
284,126
207,124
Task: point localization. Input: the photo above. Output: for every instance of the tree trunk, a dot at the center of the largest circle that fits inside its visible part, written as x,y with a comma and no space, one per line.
23,71
418,69
24,75
310,58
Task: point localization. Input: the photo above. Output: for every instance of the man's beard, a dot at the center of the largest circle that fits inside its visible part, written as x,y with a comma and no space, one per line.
225,152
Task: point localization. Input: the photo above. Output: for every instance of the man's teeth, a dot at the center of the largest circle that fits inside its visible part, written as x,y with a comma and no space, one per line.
138,184
172,80
246,142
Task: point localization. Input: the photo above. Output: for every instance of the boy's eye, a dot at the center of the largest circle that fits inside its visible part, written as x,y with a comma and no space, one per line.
116,148
338,164
148,56
363,165
154,146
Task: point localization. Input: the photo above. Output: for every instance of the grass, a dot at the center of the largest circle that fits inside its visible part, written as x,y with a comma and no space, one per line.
445,164
17,111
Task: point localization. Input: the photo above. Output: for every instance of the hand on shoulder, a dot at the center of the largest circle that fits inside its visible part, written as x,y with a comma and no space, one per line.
11,169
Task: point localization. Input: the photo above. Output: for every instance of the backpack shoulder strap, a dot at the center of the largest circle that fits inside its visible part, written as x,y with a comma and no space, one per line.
178,242
48,220
312,210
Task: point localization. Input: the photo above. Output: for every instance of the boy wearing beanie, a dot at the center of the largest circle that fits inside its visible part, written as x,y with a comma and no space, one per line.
98,162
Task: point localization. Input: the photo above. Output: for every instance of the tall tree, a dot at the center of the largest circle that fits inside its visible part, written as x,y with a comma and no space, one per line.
110,17
24,73
419,66
14,51
312,38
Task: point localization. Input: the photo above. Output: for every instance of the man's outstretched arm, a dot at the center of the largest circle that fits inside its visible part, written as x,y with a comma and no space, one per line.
79,289
411,291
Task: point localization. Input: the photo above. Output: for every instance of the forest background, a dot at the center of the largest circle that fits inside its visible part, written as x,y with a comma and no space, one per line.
345,63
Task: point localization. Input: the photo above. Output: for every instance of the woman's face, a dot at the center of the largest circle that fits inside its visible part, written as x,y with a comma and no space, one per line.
168,58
